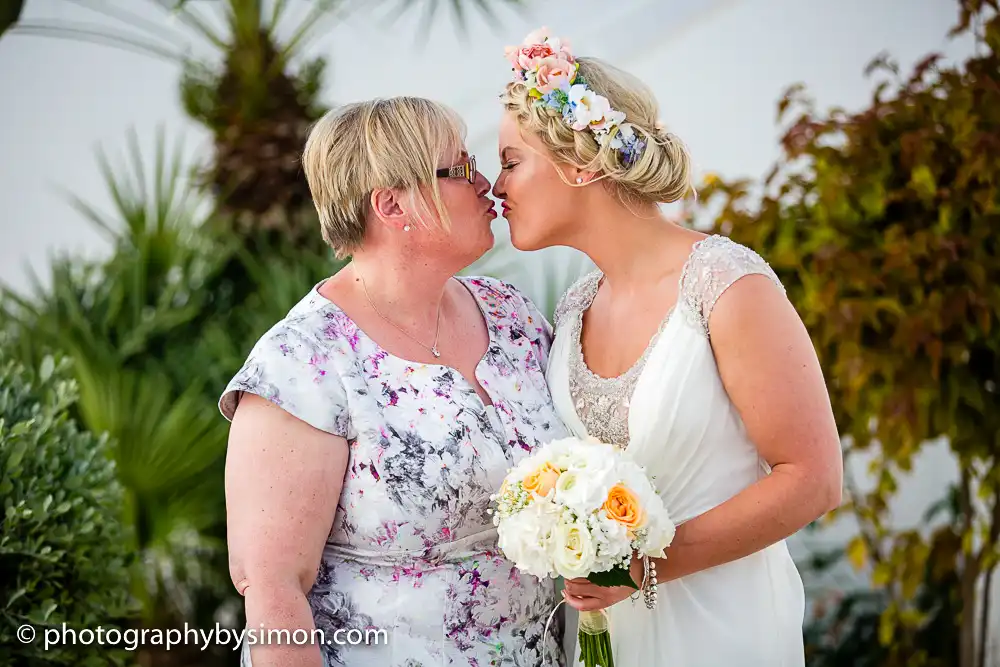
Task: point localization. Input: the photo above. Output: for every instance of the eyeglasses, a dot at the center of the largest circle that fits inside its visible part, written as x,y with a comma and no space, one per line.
466,170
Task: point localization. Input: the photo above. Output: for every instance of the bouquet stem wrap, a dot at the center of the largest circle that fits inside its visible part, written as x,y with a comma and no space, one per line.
595,639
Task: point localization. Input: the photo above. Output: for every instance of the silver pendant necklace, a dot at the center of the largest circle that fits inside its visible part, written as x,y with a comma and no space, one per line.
437,328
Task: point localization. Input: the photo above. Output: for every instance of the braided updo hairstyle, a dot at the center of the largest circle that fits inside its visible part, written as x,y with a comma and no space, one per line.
661,174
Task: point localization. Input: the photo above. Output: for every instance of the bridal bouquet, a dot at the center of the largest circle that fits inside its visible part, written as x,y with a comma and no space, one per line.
580,509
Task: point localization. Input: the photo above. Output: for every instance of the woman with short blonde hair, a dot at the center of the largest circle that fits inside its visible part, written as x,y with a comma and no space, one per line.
372,423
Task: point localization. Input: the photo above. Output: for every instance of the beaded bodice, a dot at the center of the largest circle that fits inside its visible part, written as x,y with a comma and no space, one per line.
602,404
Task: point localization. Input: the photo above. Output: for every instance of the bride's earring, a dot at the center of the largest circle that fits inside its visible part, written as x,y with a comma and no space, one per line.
406,228
579,179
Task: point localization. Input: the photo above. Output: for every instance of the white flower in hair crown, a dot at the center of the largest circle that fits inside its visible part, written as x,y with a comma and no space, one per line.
546,65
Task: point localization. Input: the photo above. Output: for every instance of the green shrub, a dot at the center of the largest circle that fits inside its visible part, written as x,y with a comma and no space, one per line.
63,555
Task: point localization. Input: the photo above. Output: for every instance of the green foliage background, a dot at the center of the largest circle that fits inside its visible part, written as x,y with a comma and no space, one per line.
63,549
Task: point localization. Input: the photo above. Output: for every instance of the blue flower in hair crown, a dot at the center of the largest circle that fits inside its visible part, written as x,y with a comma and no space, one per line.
547,66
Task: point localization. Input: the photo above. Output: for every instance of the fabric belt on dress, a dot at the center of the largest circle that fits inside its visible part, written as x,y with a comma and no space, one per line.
446,552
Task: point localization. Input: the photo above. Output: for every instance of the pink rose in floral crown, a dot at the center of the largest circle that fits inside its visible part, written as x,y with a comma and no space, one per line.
527,58
553,73
543,36
536,47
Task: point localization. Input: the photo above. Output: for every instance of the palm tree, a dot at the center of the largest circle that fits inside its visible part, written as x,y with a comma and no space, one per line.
130,326
10,11
258,102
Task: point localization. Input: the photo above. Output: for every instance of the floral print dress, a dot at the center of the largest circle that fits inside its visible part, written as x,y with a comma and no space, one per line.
412,550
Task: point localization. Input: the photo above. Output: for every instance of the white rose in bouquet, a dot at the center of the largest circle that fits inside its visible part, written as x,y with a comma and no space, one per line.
581,491
525,541
573,550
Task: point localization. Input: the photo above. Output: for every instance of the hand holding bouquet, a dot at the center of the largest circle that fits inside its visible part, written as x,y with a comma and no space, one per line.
581,509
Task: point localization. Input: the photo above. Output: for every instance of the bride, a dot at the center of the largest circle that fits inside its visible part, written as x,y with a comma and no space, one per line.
684,350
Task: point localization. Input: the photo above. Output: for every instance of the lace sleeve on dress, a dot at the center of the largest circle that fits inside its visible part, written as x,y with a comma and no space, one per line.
293,371
577,297
716,263
561,309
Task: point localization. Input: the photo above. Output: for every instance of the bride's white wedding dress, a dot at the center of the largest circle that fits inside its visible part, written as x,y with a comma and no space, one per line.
673,415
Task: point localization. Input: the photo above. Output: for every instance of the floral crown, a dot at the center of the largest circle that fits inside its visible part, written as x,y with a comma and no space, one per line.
547,66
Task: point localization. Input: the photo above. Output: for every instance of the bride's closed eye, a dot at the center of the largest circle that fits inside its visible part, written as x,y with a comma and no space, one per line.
508,166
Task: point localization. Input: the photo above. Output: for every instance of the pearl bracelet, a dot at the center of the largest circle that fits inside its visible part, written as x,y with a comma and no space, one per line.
649,575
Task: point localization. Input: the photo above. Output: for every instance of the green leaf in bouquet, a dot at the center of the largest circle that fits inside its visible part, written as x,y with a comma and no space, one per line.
616,576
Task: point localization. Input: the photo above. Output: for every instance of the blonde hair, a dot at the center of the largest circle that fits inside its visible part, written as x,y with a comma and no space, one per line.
393,143
661,174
